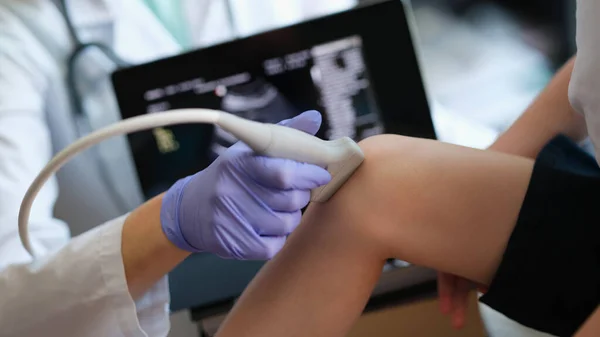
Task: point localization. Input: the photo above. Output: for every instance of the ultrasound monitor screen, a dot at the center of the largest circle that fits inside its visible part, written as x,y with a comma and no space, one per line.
358,68
331,77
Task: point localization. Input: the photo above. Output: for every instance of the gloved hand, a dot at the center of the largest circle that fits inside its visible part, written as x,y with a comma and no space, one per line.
243,206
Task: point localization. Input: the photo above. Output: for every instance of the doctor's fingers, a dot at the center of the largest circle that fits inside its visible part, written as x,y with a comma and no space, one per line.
274,223
284,174
282,200
268,247
308,121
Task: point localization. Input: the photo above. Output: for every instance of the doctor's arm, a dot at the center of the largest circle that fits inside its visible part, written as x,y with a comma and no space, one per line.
89,285
242,206
147,253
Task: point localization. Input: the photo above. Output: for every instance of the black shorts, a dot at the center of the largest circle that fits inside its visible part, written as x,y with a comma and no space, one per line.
549,277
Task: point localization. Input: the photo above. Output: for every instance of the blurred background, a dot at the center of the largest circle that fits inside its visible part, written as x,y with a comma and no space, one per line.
483,60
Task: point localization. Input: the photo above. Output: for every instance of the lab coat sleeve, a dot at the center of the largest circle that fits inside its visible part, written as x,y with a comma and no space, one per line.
79,287
25,144
80,290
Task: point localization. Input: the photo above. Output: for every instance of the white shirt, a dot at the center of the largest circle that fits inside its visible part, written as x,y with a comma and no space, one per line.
584,89
79,287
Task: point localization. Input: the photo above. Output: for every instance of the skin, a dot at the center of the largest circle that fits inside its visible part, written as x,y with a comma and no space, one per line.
549,115
147,253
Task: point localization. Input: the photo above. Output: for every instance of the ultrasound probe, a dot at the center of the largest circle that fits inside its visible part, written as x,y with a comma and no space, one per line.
341,157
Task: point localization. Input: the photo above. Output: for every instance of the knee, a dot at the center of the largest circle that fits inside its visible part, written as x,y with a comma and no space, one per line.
393,179
376,201
410,194
377,149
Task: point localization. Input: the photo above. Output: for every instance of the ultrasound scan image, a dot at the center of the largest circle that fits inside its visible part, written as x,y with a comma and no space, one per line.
258,100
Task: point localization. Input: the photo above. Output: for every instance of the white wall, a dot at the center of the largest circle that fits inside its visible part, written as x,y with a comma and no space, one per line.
209,19
257,15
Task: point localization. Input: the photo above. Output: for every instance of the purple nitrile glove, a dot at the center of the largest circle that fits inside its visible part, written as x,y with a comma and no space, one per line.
243,206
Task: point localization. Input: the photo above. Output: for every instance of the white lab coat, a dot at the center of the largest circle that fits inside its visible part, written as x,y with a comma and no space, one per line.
78,288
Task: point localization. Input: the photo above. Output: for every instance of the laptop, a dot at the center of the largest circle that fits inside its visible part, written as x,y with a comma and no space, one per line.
358,68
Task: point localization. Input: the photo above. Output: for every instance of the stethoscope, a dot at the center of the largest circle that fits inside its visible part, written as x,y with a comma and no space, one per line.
107,51
81,47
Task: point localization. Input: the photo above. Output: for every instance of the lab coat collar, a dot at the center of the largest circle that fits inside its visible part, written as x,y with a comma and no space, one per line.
128,26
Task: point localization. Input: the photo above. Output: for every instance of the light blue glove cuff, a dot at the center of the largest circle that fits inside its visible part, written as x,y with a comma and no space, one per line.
169,215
